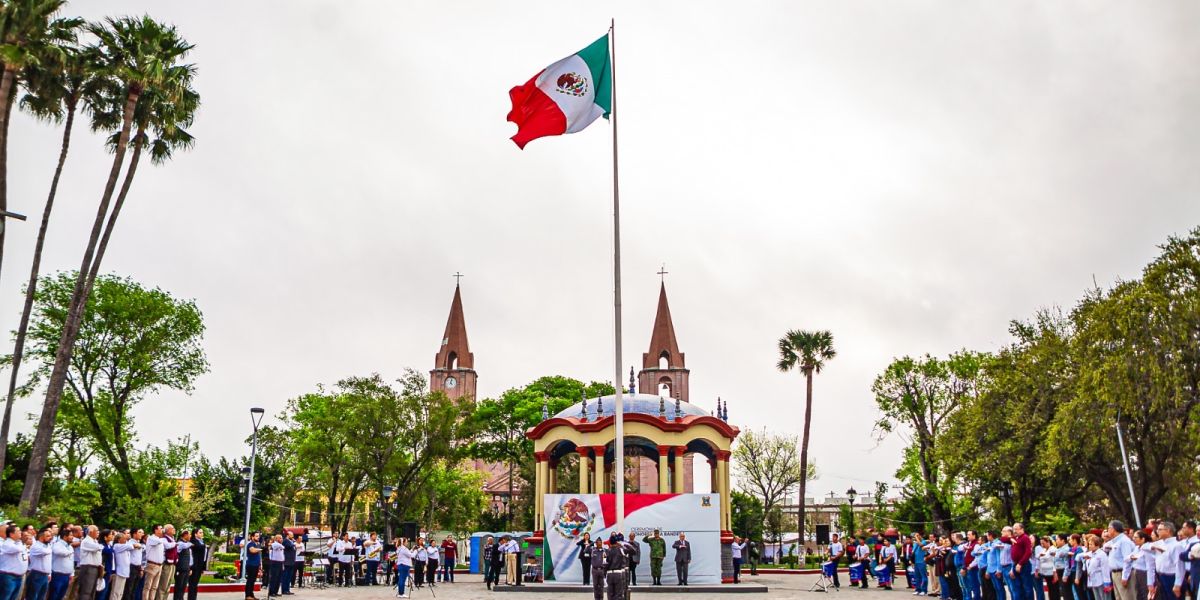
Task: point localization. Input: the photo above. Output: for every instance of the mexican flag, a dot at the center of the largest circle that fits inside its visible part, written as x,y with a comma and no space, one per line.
565,97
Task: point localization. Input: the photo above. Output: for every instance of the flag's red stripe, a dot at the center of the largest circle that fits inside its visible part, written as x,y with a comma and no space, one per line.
633,502
535,114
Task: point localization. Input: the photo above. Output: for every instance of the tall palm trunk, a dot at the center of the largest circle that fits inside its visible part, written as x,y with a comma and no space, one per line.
808,377
40,453
31,287
138,144
7,94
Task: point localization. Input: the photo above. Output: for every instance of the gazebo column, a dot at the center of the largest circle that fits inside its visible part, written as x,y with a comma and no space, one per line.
583,469
552,481
664,470
540,477
678,485
723,481
714,483
599,485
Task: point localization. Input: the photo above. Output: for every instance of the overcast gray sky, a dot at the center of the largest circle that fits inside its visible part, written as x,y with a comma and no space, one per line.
908,175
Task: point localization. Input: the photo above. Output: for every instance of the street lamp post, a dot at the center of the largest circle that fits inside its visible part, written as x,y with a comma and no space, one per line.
852,494
256,416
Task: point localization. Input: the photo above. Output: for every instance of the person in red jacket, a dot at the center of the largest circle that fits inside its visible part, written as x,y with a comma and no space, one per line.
1022,551
449,554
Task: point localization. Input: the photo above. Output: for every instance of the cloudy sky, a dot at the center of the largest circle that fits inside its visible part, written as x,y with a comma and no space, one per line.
909,175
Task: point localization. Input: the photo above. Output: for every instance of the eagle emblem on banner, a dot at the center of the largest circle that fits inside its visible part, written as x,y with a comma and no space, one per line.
573,84
574,519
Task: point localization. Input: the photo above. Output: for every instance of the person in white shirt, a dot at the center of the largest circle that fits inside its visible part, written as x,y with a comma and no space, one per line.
156,549
431,566
137,559
90,569
122,547
62,564
13,562
1166,562
345,558
276,556
1099,577
373,551
1139,566
836,552
1189,560
40,563
404,565
1118,548
420,558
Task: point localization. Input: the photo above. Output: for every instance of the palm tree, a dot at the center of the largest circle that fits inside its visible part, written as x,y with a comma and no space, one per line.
808,350
27,27
145,57
55,88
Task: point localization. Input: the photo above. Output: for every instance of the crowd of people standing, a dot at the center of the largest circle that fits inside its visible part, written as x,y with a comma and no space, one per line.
1158,562
77,562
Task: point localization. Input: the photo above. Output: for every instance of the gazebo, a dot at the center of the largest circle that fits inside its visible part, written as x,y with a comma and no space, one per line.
659,432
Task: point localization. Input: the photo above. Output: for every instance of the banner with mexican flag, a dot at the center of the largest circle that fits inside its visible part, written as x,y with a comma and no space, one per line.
565,97
569,516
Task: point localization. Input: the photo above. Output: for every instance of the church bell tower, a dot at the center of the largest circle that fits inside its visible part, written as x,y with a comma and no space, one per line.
454,365
663,372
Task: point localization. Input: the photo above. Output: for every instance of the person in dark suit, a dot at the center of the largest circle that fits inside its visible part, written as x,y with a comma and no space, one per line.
289,563
183,566
683,556
497,560
585,556
199,561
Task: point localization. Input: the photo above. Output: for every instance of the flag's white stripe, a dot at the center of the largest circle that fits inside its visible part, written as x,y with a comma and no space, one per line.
579,110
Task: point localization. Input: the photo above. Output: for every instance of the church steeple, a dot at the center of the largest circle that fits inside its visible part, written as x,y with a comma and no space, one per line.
454,365
663,366
662,338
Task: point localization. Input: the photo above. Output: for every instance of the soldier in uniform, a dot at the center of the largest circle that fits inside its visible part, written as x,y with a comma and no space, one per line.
658,552
753,552
616,564
597,569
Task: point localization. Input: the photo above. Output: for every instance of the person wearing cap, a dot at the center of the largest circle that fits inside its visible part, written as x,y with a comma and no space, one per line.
635,557
596,568
616,564
658,551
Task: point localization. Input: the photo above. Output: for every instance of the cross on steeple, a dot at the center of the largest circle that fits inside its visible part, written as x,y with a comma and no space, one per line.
662,273
457,278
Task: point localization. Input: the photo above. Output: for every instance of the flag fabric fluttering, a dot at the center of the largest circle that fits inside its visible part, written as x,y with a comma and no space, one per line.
565,97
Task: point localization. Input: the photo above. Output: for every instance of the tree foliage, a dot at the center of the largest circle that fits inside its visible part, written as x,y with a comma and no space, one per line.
133,342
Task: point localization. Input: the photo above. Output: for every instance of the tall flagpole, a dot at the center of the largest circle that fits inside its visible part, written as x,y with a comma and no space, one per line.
619,443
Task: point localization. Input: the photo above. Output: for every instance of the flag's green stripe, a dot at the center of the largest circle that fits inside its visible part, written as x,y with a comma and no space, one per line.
596,57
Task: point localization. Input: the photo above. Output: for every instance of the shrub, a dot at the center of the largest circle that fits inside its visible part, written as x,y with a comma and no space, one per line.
790,561
225,571
226,556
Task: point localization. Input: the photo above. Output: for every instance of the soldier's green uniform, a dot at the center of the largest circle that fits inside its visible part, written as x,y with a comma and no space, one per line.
658,551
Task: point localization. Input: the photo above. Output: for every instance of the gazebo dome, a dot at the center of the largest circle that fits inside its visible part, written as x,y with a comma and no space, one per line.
647,404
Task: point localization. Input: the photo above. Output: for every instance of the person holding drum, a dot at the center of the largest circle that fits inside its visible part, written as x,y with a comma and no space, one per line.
836,552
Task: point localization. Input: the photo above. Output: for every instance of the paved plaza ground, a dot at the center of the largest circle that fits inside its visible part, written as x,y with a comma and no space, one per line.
470,587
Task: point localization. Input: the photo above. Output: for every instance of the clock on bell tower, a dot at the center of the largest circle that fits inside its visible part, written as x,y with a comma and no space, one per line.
454,365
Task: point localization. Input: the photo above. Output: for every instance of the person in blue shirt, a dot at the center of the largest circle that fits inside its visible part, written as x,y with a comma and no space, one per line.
995,568
919,574
252,565
958,547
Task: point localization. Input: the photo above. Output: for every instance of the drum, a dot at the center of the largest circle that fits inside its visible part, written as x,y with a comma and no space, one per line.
857,572
885,574
828,568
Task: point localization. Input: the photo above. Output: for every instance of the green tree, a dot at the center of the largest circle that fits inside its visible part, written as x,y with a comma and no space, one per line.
748,515
917,397
1139,364
502,423
1010,456
134,341
146,59
808,351
768,466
